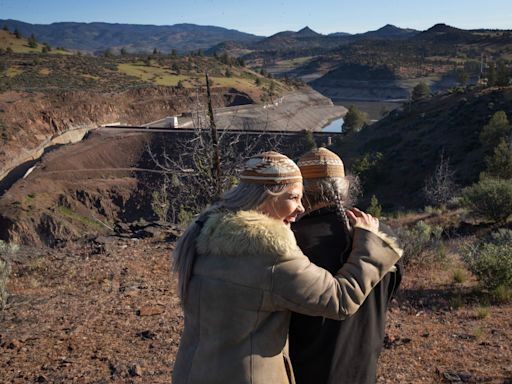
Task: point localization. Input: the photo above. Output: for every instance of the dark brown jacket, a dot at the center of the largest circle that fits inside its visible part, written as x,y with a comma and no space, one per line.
330,351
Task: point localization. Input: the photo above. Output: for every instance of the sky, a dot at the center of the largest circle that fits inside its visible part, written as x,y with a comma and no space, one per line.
266,17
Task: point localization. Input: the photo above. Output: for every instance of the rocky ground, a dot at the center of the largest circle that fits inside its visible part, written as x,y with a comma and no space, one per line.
105,310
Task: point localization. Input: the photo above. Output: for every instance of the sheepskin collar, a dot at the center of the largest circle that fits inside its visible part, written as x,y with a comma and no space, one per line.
244,232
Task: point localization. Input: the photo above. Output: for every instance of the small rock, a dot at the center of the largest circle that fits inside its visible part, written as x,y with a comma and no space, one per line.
451,377
150,310
41,379
148,335
135,370
13,344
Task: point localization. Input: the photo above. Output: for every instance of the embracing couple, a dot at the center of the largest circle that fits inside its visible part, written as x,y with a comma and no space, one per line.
265,304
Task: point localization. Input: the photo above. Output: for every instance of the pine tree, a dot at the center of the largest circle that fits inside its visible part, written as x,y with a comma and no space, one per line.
32,42
354,119
420,91
500,163
374,208
495,130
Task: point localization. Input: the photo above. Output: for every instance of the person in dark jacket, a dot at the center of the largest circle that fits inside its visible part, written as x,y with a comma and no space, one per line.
324,350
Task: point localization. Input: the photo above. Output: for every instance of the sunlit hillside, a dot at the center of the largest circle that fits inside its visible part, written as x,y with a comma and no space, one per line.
10,43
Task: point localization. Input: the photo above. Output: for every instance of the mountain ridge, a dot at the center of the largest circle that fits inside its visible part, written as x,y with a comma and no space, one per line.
100,36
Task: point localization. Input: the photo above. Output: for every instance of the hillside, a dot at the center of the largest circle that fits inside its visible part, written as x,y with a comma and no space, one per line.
10,43
43,95
435,56
94,37
411,140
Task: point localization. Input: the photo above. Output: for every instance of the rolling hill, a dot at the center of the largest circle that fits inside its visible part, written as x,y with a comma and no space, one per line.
94,37
408,144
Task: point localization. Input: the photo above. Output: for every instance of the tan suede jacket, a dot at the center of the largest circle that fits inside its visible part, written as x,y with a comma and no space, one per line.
249,274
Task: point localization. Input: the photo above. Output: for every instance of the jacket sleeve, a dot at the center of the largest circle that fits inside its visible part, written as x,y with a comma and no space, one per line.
301,286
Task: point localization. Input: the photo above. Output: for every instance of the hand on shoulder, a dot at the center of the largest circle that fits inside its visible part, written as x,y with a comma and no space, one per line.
361,219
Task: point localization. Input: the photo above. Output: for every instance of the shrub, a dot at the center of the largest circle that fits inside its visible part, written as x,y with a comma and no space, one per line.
489,199
185,216
5,269
374,208
459,276
502,294
6,250
440,187
491,262
421,243
482,312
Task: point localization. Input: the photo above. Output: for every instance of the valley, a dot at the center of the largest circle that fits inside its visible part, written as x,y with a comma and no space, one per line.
92,199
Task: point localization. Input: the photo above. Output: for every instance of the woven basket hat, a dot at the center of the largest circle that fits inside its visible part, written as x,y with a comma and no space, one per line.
270,168
320,162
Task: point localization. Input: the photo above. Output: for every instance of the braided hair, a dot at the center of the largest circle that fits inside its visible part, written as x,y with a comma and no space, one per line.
333,191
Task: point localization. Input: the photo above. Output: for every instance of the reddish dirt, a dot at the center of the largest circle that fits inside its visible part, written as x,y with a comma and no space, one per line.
89,314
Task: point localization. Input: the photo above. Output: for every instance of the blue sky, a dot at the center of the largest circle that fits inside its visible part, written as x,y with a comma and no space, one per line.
266,17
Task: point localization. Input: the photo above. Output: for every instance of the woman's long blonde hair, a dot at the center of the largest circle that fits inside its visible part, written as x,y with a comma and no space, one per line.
244,196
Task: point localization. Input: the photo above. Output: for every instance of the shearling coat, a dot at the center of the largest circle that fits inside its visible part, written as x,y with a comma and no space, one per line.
248,276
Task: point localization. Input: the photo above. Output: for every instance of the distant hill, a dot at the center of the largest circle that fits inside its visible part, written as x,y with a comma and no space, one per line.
307,32
95,37
442,33
339,34
389,31
304,39
412,139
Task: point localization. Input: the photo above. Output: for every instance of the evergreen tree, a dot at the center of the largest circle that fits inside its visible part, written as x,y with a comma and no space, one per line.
497,129
420,91
374,209
309,141
491,75
500,163
462,77
502,75
32,42
354,119
17,33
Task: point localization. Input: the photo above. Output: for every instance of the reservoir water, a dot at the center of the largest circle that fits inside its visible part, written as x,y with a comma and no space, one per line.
334,126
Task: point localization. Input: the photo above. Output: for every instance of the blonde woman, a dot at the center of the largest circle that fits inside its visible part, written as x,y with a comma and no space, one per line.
241,274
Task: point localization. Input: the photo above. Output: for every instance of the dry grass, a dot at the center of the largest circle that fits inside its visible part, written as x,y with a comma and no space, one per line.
8,40
163,76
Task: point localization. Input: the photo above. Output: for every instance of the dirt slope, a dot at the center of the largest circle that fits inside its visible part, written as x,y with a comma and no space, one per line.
28,119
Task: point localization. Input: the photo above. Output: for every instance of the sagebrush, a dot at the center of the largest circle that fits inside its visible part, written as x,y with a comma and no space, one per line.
490,260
